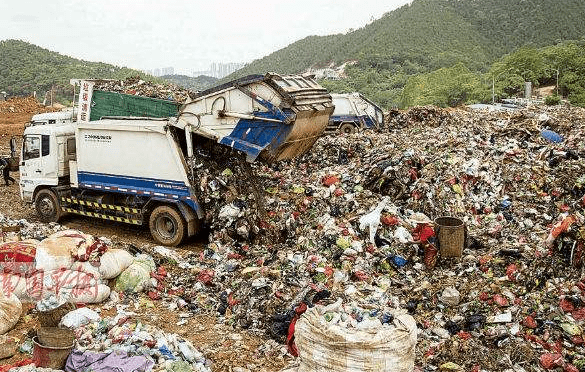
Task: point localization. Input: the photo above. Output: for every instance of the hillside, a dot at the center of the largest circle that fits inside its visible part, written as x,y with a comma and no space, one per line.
27,68
201,82
437,33
425,36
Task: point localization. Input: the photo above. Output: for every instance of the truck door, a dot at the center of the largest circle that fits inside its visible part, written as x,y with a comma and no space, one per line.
36,168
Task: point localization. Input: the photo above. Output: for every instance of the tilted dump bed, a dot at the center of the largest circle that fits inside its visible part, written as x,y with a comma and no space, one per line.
268,116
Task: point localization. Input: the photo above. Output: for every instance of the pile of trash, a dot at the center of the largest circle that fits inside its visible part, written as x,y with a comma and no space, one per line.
26,105
119,340
291,241
135,86
502,174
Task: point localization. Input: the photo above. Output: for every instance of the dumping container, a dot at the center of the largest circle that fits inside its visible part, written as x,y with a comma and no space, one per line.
271,117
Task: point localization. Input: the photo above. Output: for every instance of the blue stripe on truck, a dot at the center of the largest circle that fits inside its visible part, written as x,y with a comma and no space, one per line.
165,189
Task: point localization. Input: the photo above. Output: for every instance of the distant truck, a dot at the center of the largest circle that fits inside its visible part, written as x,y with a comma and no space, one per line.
353,112
132,164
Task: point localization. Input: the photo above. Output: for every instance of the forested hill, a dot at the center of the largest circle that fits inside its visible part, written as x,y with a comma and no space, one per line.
430,34
26,68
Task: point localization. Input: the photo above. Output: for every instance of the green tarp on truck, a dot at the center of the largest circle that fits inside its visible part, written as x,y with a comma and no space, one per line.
118,104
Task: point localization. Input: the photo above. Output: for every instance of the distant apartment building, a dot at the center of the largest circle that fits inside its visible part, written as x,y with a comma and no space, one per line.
219,70
168,71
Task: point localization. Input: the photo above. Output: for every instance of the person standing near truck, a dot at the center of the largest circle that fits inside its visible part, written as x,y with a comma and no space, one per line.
6,171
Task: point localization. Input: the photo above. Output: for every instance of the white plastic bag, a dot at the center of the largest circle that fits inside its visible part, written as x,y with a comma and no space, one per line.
330,347
78,317
372,219
10,310
136,277
113,262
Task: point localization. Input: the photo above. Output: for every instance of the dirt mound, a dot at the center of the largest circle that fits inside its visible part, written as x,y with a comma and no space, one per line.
27,105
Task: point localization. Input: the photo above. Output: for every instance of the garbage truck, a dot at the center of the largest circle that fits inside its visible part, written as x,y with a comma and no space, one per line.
130,159
353,111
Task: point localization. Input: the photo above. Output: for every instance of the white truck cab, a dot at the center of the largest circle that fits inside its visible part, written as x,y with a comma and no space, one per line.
46,152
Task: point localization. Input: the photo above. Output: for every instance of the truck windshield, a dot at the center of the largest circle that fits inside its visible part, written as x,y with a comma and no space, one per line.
31,148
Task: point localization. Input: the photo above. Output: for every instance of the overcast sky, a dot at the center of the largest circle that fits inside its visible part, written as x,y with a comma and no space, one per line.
185,34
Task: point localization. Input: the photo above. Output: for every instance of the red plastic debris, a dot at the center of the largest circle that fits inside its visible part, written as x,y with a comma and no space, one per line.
360,276
389,220
570,368
485,259
206,276
579,314
501,300
290,339
7,367
550,360
330,180
511,271
464,335
338,192
566,305
154,295
529,322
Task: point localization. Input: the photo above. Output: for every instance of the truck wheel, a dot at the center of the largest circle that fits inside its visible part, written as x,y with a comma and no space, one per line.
167,226
347,128
47,206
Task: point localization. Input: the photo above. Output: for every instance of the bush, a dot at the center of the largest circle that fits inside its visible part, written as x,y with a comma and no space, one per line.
552,100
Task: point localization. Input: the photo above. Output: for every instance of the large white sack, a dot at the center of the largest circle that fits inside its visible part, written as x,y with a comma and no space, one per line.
65,279
60,249
89,295
10,310
113,262
87,267
13,283
55,252
335,348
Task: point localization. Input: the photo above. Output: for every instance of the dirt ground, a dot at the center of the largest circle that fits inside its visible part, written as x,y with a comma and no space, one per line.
225,347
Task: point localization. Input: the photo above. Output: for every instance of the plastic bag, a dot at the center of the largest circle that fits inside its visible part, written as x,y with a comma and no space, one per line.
136,277
10,310
114,262
78,317
330,347
372,219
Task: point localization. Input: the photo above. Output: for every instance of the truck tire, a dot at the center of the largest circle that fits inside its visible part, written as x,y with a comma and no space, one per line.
167,226
347,128
47,206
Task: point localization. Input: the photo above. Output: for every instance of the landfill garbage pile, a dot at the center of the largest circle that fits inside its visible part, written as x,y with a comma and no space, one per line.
341,215
230,193
122,337
27,105
135,86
